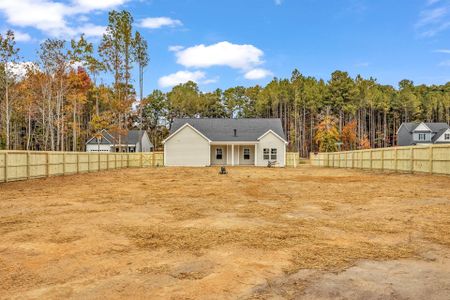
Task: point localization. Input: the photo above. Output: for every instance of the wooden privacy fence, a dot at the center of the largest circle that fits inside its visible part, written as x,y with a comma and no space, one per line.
22,165
292,159
433,159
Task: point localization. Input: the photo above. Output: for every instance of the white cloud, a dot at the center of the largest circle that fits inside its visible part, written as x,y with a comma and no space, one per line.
20,69
91,30
175,48
434,20
431,2
431,16
89,5
445,63
258,73
20,36
154,23
181,77
41,14
363,64
445,51
52,17
221,54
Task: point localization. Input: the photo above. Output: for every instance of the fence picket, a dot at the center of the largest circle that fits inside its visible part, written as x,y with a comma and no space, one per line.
408,159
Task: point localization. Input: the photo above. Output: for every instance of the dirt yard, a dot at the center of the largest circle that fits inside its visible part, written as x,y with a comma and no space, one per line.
255,233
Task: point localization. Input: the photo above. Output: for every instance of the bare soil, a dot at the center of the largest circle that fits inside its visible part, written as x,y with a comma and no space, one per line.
256,233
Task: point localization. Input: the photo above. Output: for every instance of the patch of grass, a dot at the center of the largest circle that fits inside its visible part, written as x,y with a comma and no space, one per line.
335,257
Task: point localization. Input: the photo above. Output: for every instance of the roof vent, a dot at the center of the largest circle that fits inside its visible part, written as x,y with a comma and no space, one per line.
235,132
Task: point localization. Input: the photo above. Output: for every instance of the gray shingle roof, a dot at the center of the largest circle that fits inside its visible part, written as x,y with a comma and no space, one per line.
435,127
438,134
132,137
223,129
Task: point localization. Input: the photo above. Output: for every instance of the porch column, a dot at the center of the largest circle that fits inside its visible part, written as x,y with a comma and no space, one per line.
256,154
232,154
239,155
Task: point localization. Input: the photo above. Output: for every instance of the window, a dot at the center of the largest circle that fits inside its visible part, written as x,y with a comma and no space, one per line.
219,153
447,136
266,153
422,136
246,154
273,153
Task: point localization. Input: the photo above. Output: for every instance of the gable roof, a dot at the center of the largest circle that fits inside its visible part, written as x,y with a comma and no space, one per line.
271,131
131,138
181,128
434,127
439,134
221,130
422,127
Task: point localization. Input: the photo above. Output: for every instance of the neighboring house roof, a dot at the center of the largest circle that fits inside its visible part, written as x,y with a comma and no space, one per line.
131,138
439,134
406,130
435,127
218,130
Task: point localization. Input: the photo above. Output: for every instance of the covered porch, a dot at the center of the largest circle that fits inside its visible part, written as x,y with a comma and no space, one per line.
233,154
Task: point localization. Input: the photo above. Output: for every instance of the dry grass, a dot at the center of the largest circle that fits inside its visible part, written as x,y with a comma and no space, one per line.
191,229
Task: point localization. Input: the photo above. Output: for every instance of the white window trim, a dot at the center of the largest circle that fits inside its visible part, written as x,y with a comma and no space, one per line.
268,154
248,149
221,153
271,154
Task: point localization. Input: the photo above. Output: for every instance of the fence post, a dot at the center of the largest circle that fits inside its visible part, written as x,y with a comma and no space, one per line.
89,162
64,163
395,161
28,164
6,166
141,157
346,160
371,159
353,159
382,159
78,162
431,159
412,159
98,161
47,164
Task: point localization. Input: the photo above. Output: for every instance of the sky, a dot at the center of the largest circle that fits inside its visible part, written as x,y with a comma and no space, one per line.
221,44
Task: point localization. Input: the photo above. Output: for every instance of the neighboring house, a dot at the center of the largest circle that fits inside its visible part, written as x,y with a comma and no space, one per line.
130,142
225,142
423,133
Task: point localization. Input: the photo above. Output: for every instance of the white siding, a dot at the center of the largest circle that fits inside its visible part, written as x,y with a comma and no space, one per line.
422,127
187,148
224,160
270,141
96,148
442,139
249,162
426,140
146,145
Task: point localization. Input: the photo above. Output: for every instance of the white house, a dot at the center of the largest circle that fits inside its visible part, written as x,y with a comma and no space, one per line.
423,133
225,142
129,142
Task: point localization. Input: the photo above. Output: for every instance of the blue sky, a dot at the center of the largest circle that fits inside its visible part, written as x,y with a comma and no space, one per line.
221,44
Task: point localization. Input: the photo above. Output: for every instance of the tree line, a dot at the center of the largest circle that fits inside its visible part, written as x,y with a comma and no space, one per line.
62,99
317,115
